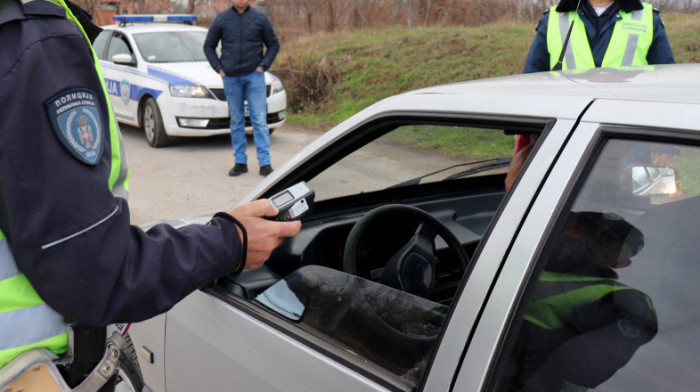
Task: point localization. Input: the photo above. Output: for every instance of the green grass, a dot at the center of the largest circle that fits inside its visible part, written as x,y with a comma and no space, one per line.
373,64
470,143
688,165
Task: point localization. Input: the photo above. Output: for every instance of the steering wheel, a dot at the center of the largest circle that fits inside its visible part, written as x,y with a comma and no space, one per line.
412,268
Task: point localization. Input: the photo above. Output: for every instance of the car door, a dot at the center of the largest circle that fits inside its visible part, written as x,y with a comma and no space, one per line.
118,76
216,339
598,288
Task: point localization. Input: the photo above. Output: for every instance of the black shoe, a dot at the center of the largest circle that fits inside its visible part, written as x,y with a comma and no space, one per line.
238,169
265,170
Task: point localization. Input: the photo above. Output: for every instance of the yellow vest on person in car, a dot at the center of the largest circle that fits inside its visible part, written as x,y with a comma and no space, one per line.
631,38
26,322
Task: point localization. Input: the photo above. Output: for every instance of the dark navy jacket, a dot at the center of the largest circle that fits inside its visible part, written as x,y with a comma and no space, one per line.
103,270
538,57
242,38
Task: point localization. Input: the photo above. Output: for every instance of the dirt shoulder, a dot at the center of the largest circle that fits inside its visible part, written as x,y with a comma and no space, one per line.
190,177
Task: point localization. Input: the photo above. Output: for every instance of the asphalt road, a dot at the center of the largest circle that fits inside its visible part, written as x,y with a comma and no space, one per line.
190,177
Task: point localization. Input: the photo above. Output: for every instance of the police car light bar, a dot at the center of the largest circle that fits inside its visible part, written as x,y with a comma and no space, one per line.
154,18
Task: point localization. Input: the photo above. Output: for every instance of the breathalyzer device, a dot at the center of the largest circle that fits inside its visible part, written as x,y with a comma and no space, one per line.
294,202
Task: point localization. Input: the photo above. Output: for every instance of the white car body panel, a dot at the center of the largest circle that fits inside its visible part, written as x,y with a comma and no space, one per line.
252,351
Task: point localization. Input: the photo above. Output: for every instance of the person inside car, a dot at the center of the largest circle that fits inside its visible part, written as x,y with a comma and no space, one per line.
582,324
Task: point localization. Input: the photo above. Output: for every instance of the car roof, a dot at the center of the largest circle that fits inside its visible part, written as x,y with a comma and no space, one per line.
547,95
535,98
660,83
135,28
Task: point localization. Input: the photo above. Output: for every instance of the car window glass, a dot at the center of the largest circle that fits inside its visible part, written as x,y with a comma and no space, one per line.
118,45
99,44
408,155
374,322
171,46
615,304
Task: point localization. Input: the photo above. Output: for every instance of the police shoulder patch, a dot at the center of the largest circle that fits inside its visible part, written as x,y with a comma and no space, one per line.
75,116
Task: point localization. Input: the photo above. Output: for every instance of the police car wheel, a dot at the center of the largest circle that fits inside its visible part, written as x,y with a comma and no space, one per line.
152,123
129,377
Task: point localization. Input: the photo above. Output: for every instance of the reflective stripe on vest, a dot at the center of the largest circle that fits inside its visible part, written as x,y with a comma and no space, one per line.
629,44
560,295
26,321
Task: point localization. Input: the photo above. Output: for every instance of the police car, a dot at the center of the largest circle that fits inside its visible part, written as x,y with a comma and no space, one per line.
159,79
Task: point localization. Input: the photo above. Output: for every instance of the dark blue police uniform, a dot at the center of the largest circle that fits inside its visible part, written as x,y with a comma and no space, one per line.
68,230
599,30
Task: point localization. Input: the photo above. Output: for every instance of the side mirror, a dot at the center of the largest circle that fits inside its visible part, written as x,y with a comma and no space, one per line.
651,180
123,59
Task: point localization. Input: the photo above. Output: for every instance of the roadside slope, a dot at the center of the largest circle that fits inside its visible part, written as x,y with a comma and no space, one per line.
331,76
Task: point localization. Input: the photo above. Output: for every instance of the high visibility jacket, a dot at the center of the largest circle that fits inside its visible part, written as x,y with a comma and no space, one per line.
31,321
574,322
560,295
630,42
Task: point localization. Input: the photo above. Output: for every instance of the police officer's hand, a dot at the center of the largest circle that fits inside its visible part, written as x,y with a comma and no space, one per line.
263,235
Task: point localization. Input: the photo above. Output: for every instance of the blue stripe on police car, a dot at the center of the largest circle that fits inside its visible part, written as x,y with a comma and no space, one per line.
125,89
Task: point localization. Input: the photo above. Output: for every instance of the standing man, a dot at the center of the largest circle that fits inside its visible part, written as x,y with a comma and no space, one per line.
67,248
603,33
243,31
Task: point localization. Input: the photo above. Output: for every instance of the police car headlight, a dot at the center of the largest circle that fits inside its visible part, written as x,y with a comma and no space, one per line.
277,86
189,91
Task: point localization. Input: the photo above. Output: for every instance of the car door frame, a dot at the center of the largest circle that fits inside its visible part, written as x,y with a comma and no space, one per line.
466,314
603,119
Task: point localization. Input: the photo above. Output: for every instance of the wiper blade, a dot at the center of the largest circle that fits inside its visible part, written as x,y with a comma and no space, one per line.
487,163
492,164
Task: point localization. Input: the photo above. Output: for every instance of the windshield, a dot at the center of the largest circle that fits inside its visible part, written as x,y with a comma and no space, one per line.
171,46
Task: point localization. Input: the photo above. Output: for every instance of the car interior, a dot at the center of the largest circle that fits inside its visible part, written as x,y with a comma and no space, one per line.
381,257
360,232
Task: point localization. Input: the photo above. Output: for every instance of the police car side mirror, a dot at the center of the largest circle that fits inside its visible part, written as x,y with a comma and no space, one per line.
123,59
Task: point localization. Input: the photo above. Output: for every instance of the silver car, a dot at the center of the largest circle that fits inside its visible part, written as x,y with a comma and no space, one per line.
418,270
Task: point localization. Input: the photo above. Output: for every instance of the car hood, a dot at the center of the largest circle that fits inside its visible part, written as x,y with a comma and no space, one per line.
195,72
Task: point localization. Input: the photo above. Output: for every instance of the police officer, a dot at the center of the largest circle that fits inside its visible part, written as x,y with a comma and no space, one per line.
67,249
583,324
604,33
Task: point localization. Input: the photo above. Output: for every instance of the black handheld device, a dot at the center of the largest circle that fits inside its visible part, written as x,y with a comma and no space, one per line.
294,202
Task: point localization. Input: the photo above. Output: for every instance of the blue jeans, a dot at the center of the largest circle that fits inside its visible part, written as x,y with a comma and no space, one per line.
250,88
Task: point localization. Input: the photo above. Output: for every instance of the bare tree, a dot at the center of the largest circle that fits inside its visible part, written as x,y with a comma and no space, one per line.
330,17
407,6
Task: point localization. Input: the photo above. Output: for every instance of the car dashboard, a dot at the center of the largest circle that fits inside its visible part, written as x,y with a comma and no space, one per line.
324,235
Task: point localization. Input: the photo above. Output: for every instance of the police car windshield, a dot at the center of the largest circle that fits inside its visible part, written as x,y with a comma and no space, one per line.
171,46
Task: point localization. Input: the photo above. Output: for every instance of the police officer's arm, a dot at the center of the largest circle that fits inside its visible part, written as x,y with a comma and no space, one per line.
660,50
210,43
263,236
272,44
538,56
69,235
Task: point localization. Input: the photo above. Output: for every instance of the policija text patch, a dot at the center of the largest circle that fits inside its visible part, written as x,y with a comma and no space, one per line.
75,116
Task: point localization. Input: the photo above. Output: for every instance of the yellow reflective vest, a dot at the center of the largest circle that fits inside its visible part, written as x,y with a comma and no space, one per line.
631,38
